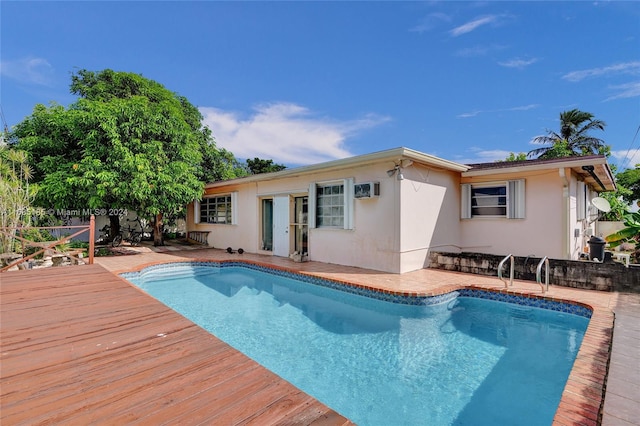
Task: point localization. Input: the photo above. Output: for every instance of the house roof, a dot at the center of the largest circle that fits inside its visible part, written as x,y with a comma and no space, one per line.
393,156
593,169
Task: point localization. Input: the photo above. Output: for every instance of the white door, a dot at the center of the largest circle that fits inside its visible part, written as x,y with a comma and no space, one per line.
281,226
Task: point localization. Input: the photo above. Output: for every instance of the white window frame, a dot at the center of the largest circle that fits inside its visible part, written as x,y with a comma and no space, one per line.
581,201
514,193
233,204
348,201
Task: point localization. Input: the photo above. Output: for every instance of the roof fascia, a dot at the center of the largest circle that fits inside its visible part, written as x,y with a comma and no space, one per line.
395,155
540,166
602,170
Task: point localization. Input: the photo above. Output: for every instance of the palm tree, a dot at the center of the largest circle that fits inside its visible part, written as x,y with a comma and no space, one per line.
573,139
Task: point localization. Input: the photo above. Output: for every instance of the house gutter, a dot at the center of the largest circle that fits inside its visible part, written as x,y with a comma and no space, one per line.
518,167
589,169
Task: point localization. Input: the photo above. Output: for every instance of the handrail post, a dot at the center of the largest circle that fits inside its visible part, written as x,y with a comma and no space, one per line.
545,261
92,237
546,274
511,272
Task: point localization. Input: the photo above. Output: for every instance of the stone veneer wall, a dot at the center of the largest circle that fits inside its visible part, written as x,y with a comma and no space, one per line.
611,276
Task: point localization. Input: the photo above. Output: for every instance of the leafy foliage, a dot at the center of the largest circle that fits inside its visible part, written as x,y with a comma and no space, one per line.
127,142
16,194
630,179
573,138
257,166
219,164
618,206
630,233
628,192
521,156
37,236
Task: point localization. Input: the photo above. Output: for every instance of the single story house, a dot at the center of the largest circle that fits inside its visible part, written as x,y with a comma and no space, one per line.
386,210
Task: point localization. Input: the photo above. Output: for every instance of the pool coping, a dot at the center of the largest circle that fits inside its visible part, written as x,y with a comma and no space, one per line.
404,298
582,399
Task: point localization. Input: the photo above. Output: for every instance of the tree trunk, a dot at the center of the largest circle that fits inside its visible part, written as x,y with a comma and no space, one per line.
114,226
158,238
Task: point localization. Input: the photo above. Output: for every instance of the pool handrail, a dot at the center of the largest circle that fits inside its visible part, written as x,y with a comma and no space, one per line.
501,265
545,261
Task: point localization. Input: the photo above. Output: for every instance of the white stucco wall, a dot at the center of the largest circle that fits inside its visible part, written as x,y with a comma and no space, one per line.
372,241
540,233
605,228
231,235
427,215
395,231
377,241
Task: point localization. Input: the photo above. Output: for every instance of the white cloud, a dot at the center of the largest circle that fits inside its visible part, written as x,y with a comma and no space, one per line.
430,22
28,70
516,108
523,107
626,159
471,26
471,52
629,90
479,155
469,114
285,132
621,91
518,63
632,68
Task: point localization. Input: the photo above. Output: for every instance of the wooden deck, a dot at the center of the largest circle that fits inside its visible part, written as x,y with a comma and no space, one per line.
81,346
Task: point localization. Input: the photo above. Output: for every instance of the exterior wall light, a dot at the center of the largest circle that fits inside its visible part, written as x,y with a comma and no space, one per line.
397,169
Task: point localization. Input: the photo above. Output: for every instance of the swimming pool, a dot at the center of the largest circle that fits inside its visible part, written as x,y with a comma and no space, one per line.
381,359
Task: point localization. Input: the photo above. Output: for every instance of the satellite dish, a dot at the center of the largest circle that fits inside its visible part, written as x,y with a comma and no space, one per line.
601,204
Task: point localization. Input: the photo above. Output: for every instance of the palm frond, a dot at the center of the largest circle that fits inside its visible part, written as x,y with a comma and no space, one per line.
622,235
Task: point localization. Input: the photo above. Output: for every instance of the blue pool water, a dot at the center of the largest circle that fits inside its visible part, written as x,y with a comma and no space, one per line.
464,361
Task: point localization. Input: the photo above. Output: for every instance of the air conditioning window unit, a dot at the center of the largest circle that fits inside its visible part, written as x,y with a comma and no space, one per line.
366,190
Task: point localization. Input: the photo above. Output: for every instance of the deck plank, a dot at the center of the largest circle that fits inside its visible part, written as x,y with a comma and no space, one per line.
129,316
80,345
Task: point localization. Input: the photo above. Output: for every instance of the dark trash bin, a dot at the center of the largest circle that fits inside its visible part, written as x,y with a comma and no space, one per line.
596,248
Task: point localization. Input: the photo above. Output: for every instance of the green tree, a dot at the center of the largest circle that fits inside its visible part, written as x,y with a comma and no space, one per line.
257,166
127,142
219,164
626,194
630,179
573,138
619,207
521,156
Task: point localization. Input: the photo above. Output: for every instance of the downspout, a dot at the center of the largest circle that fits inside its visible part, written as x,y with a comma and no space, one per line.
397,225
565,213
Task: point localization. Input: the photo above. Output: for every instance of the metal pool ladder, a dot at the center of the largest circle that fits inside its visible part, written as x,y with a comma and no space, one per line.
501,265
545,261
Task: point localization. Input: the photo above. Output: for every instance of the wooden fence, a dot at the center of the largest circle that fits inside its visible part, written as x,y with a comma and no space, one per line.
51,246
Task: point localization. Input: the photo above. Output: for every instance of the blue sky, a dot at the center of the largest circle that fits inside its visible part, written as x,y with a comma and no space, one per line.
304,82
